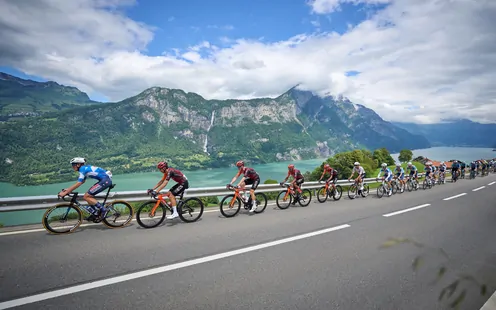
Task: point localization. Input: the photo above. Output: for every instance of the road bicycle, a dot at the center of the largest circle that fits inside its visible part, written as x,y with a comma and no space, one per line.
232,202
411,183
384,189
327,191
454,176
429,182
441,178
190,210
288,197
354,189
71,214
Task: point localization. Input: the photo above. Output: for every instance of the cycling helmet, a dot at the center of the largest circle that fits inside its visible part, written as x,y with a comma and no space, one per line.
384,165
442,163
291,167
398,164
326,166
409,163
78,160
240,163
162,165
357,163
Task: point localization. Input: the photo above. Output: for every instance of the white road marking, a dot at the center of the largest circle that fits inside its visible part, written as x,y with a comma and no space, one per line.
478,188
17,232
406,210
456,196
491,183
490,303
157,270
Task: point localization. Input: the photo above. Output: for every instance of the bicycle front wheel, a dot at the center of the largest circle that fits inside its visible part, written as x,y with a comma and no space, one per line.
322,194
119,215
155,218
283,200
62,218
352,191
191,210
230,206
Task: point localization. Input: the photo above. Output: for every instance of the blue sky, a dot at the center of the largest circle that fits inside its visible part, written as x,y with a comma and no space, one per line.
388,55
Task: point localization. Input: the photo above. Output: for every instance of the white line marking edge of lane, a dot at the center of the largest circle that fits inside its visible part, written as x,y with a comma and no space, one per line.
17,232
478,188
456,196
490,303
157,270
406,210
491,183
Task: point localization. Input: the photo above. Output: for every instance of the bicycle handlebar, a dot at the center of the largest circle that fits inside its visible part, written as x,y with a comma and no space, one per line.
71,195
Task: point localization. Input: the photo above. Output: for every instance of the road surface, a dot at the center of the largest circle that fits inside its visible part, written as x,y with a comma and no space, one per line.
324,256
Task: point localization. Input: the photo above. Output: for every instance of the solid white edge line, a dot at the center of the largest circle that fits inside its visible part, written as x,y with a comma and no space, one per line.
17,232
406,210
490,303
456,196
491,183
478,188
157,270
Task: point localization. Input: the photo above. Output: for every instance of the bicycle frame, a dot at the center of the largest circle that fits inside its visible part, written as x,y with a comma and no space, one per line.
74,199
237,195
161,199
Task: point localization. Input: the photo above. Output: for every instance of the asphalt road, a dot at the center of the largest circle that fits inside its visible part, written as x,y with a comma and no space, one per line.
324,256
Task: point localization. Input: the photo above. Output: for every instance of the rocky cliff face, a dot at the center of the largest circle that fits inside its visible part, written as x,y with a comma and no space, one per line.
192,132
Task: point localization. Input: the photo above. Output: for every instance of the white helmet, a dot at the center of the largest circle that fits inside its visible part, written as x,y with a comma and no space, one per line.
442,163
384,165
78,160
357,163
409,163
398,164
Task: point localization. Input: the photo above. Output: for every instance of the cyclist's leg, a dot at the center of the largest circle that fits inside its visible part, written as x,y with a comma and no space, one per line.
298,184
254,184
97,188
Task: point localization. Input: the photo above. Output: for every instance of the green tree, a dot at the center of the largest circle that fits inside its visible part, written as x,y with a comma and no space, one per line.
271,195
343,163
382,155
405,155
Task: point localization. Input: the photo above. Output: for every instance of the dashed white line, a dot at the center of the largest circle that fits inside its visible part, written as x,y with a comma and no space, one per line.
406,210
478,188
491,183
456,196
157,270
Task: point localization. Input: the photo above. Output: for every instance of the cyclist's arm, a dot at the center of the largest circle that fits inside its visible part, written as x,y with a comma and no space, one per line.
323,172
286,178
71,188
235,177
159,182
164,182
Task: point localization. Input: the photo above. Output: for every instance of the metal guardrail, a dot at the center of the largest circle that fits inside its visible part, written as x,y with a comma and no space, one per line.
47,201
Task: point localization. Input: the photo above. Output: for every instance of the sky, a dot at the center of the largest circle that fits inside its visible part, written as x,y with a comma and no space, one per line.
420,61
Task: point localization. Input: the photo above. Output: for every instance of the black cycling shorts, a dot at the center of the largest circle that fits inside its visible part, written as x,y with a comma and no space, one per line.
178,189
300,181
253,182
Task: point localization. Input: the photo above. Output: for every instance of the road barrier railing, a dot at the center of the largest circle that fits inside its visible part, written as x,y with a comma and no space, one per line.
44,202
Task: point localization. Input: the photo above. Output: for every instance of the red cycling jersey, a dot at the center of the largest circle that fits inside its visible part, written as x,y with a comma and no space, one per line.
249,173
295,174
175,175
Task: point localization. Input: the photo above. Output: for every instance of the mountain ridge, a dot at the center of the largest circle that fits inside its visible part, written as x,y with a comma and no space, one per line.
192,133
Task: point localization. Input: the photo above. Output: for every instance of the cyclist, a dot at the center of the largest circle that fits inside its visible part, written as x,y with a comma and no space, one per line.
428,170
442,169
298,179
400,174
462,168
333,178
455,167
473,169
361,174
104,178
251,177
413,171
388,176
182,184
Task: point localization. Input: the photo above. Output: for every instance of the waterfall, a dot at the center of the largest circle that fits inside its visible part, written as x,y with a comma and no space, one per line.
208,130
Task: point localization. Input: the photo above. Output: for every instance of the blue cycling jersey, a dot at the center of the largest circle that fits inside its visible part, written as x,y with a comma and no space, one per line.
401,171
386,171
413,168
93,172
455,166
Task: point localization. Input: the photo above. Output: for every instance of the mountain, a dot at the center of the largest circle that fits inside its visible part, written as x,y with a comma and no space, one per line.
21,98
455,133
190,132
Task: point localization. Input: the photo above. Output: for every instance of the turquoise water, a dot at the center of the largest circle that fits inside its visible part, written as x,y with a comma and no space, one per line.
206,178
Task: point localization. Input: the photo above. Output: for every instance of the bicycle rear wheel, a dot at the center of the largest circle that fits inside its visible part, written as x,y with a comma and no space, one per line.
155,219
191,210
305,197
261,201
119,215
337,193
69,216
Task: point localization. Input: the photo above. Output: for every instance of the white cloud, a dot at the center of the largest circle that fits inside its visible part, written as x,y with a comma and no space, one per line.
329,6
224,27
418,60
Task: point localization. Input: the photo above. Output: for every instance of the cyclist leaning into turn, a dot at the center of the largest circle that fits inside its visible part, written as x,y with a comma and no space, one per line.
251,177
176,190
298,179
104,178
